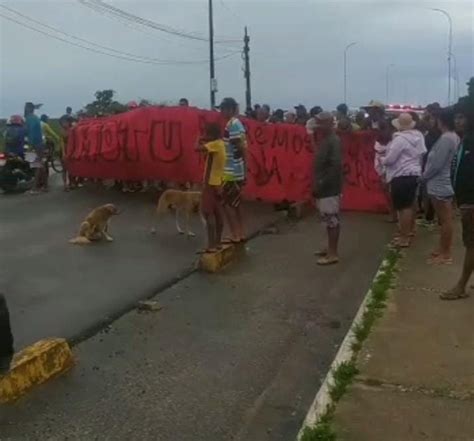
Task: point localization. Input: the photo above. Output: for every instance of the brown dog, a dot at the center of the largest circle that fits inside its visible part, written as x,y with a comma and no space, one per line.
182,202
95,226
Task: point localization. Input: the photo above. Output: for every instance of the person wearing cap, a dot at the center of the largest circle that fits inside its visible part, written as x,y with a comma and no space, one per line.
15,134
328,179
278,116
437,177
35,141
402,164
234,171
376,111
342,111
311,123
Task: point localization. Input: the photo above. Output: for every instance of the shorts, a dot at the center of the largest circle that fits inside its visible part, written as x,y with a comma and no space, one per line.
329,209
231,193
441,198
210,200
403,190
467,218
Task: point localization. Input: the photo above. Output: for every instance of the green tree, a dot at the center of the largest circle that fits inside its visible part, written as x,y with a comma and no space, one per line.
104,104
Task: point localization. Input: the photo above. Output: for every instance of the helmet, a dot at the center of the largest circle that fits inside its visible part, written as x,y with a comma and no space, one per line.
44,118
16,119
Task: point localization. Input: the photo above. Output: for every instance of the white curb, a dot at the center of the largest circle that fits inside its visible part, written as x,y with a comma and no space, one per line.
323,399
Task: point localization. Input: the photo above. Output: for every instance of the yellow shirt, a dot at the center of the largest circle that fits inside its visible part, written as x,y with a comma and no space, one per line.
214,171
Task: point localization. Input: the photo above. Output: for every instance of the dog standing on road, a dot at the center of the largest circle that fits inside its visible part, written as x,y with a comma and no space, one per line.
95,226
183,203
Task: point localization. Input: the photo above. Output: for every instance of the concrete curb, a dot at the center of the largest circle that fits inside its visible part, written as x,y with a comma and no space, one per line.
218,261
35,365
345,353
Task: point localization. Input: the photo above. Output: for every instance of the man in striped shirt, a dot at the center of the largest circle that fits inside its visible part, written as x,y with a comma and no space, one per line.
234,171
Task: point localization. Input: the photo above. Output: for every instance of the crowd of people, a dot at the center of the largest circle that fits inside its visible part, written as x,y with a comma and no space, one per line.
42,141
425,163
367,117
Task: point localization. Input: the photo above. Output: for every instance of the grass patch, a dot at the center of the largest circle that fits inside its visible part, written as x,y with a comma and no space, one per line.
345,373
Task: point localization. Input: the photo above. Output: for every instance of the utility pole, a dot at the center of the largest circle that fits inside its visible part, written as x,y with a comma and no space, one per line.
450,48
345,69
213,82
248,93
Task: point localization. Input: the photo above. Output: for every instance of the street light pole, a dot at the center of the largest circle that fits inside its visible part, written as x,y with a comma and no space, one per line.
211,57
345,69
450,48
387,82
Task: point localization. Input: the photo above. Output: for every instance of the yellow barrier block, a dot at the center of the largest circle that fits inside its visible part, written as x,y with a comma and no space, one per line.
34,365
214,262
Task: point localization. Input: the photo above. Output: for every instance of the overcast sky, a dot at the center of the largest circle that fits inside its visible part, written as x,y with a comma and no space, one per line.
296,52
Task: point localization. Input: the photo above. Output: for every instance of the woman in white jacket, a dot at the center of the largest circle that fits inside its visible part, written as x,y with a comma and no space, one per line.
403,170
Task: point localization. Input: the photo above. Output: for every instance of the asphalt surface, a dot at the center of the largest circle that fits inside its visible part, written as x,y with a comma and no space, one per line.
235,356
55,289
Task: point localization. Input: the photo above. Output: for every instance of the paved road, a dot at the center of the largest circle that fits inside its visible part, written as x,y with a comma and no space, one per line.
57,289
236,356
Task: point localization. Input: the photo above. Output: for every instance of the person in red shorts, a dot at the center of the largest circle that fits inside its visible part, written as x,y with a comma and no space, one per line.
214,148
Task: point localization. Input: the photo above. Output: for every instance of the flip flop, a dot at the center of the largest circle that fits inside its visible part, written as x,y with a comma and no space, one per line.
321,253
229,241
451,295
207,251
440,261
397,244
326,261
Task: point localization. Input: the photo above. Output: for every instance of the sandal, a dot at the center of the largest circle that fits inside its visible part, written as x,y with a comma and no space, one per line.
229,241
209,250
396,243
321,253
325,261
453,295
438,260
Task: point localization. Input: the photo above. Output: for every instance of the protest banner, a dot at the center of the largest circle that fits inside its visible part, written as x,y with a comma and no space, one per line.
158,143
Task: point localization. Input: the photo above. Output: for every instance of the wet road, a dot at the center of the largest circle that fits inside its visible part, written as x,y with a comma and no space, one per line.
234,356
54,288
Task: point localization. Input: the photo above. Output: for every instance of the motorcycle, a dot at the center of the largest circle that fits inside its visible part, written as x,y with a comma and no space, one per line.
16,175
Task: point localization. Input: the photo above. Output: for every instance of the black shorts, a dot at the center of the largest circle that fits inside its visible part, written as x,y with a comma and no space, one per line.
403,190
231,193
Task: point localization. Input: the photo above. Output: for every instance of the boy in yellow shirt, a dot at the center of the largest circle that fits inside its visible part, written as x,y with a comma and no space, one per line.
214,148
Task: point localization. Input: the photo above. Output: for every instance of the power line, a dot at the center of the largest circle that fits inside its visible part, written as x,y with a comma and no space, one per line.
113,10
137,27
231,11
117,54
128,54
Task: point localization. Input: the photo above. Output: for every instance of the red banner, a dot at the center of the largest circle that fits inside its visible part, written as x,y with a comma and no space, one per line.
158,143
